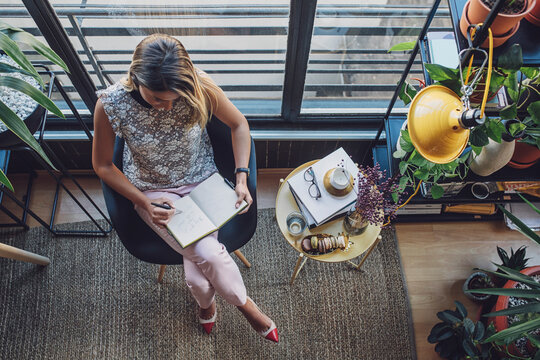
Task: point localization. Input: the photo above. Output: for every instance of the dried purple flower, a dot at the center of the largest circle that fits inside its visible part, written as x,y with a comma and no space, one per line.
374,200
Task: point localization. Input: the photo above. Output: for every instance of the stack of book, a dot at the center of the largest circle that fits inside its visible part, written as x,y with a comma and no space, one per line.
327,207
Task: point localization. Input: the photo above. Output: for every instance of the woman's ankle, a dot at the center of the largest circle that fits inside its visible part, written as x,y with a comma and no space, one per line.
257,319
208,312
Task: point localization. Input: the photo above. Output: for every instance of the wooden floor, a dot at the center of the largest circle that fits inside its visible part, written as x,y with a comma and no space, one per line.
437,257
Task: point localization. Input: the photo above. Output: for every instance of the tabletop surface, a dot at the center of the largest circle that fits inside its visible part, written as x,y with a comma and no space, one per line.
285,204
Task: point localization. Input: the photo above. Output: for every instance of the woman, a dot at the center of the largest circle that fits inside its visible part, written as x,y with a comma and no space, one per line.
160,110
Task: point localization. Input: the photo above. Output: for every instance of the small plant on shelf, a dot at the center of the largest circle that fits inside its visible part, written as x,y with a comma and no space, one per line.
413,167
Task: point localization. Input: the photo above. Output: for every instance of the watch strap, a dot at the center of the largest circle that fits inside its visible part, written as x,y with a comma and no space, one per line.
242,169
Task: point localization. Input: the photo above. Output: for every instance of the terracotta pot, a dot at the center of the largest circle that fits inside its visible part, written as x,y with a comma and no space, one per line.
525,156
501,322
534,15
503,23
498,40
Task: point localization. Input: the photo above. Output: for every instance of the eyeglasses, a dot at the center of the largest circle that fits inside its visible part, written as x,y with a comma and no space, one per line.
313,189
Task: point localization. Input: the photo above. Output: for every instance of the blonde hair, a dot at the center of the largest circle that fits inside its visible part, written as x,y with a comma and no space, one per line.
161,63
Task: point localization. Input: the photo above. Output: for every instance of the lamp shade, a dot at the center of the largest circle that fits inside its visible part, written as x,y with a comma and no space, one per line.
434,124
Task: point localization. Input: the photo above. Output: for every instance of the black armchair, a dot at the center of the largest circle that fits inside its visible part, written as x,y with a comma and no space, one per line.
143,243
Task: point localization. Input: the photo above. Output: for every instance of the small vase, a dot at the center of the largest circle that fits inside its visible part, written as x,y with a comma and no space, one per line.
354,223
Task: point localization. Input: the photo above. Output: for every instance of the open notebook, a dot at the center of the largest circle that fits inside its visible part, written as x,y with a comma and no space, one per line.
207,208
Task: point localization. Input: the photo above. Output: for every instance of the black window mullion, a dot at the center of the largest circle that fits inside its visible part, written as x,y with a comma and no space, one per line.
301,20
48,23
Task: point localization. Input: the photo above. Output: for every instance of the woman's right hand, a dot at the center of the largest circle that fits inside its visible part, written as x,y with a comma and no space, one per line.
159,215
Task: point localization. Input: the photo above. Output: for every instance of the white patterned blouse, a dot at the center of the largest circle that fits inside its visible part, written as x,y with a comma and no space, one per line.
160,151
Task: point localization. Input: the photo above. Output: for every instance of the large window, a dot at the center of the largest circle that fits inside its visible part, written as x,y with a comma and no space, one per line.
243,45
350,69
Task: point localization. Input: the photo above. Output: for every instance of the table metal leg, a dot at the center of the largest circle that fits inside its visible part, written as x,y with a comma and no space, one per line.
299,264
11,252
364,258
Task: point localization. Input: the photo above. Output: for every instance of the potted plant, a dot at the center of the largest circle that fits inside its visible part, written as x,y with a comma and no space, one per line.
516,260
9,39
505,24
477,280
414,168
517,312
534,15
516,315
377,197
527,151
458,337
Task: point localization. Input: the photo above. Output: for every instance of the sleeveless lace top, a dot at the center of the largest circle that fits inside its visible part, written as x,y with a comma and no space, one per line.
160,151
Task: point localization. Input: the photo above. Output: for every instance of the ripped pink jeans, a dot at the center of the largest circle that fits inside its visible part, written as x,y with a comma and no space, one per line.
208,267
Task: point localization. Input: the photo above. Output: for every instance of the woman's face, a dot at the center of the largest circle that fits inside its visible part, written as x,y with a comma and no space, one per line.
161,100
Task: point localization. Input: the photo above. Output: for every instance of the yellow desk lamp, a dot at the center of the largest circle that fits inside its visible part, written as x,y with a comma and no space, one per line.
439,121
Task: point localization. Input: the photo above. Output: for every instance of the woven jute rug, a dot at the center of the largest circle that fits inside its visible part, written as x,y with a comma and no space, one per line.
96,301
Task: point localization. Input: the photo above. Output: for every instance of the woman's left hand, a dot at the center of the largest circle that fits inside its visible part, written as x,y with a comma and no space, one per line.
243,194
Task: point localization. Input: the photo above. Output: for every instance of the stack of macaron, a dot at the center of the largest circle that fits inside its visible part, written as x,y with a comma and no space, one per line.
324,243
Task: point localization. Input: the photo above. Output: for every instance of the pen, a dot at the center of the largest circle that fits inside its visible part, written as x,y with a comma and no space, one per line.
228,182
163,206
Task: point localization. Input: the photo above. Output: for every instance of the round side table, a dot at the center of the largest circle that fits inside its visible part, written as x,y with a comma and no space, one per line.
285,204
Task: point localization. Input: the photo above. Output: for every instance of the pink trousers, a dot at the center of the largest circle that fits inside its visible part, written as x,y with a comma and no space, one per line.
208,267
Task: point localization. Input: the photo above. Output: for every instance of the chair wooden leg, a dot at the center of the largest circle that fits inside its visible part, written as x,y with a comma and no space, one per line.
161,273
242,258
11,252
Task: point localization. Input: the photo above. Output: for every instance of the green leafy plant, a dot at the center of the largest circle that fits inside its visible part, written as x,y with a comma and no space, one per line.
10,37
404,46
532,125
413,167
459,337
516,260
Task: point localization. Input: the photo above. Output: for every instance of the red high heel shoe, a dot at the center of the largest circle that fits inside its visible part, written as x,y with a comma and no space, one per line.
272,332
208,324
